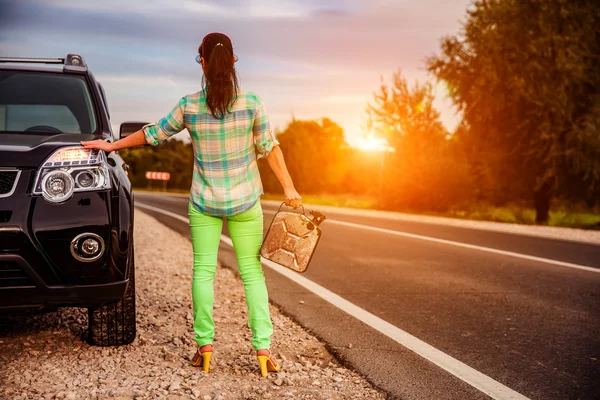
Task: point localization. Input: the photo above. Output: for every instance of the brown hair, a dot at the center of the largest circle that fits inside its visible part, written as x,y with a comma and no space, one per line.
220,81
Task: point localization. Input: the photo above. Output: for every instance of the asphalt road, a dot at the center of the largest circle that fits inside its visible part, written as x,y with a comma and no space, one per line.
534,327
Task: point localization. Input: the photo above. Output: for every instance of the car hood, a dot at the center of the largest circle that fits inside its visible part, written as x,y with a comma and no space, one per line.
29,151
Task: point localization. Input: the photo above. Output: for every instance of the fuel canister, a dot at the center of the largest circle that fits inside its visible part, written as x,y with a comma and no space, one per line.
292,238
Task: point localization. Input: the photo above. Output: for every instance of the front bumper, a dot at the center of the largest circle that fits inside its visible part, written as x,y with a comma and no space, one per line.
36,264
36,293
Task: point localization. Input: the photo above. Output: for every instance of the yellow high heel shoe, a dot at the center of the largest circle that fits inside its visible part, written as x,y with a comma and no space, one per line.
202,357
267,362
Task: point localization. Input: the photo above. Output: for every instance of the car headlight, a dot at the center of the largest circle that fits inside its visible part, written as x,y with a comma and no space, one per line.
69,170
57,186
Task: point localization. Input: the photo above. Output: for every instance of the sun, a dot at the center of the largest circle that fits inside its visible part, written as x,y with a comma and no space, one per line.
372,143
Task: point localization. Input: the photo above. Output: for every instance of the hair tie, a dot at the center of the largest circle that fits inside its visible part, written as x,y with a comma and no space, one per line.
218,44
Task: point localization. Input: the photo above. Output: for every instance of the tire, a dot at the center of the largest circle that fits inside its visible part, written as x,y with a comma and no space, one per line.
114,324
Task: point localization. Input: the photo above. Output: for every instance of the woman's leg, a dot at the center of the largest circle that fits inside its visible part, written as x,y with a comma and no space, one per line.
206,236
246,231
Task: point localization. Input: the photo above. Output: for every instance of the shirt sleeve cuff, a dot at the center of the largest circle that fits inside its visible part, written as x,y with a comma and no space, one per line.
266,146
150,133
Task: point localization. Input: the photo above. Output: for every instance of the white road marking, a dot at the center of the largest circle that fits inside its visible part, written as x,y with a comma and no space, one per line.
480,381
575,235
460,244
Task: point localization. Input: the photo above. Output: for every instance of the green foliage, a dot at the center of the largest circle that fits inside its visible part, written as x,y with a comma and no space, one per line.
426,171
406,116
525,76
315,157
522,215
173,156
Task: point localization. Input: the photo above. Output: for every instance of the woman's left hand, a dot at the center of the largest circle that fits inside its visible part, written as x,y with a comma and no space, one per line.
98,144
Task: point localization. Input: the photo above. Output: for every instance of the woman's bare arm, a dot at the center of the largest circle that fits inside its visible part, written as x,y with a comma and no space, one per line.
135,139
277,164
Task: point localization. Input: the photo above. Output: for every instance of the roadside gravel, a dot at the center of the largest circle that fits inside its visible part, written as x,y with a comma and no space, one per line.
45,357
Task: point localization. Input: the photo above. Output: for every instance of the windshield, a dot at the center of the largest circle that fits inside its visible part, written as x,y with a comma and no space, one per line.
44,103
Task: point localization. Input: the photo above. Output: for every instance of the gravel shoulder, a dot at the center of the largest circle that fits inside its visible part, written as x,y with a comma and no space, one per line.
45,356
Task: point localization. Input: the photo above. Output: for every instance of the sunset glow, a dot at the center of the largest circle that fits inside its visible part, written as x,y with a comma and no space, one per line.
372,143
288,52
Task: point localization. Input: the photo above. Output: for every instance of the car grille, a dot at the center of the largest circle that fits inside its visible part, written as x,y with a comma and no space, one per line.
7,181
12,275
5,215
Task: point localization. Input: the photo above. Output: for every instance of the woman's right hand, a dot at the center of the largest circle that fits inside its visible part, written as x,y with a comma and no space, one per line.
137,138
292,198
98,144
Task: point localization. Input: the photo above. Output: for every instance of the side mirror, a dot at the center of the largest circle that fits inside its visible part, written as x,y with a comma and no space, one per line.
127,128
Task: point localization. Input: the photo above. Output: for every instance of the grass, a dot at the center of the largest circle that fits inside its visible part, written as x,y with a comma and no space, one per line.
576,220
347,201
511,214
560,217
519,215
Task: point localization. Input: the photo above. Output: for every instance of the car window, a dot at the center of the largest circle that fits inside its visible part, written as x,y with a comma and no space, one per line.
23,116
45,103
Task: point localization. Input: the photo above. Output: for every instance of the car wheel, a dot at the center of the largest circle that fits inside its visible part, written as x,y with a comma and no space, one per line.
114,324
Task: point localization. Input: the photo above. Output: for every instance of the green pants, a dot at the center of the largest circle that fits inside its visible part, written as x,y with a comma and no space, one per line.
246,232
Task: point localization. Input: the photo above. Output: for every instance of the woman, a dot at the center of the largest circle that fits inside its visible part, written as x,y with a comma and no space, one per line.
229,129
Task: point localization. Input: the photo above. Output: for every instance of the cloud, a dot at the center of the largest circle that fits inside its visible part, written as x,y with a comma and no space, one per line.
311,57
228,9
373,36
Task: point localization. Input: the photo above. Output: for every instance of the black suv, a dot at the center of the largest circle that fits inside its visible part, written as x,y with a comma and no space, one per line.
66,213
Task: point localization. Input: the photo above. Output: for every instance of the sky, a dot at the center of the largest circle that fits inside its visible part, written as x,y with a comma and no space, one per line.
307,59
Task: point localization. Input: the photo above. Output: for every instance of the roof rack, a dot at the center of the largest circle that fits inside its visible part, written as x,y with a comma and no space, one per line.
72,63
32,60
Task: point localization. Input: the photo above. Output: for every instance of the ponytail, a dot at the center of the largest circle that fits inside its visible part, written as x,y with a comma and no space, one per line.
220,81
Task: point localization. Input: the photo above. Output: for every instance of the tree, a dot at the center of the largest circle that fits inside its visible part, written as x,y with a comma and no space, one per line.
314,154
525,75
173,156
420,174
400,113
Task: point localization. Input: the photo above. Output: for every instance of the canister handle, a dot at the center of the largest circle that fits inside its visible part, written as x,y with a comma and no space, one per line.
283,204
317,217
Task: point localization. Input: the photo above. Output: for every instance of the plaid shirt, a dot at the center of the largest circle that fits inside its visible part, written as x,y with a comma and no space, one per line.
226,180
